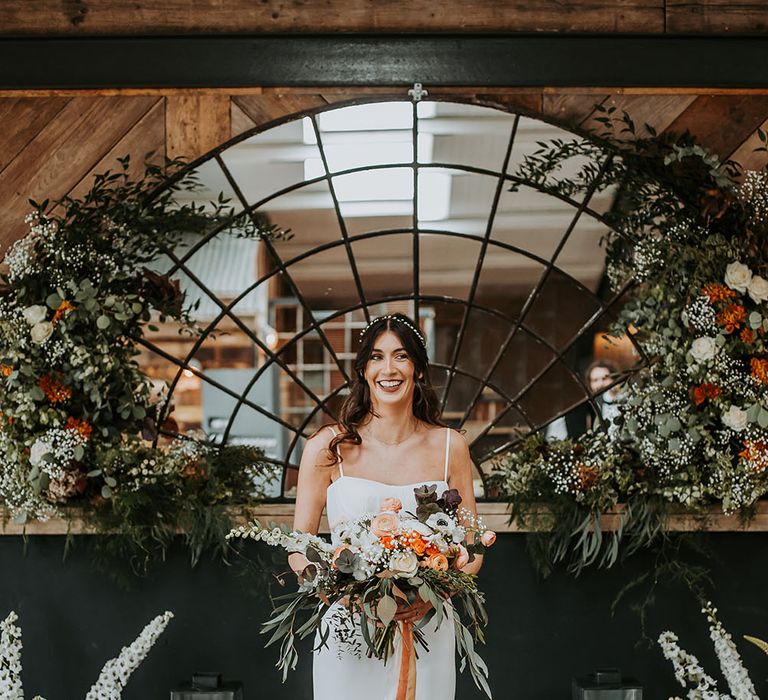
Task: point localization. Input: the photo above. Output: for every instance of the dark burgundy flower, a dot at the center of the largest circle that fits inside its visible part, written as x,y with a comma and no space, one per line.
164,292
426,493
450,500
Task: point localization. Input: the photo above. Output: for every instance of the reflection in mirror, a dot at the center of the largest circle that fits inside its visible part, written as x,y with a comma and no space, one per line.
432,221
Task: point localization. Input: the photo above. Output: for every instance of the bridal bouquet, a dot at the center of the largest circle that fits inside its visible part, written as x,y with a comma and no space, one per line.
384,561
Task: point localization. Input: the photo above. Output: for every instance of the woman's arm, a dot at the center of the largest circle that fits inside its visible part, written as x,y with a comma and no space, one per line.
460,475
314,479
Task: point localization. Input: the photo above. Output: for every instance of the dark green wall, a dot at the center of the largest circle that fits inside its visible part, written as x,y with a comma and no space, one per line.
541,634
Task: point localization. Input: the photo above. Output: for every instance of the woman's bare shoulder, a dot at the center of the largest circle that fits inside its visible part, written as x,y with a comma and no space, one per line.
321,438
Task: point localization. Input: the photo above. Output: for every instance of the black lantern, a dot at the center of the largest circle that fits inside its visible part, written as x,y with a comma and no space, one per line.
606,684
208,686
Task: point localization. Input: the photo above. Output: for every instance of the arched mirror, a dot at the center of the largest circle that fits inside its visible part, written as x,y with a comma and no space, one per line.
392,206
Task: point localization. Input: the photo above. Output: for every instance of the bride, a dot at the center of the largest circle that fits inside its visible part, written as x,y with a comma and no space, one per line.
389,440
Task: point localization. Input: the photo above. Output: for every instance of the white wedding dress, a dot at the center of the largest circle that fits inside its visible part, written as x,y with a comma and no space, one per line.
341,670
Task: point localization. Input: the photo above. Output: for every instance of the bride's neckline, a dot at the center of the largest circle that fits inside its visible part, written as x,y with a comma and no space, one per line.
384,483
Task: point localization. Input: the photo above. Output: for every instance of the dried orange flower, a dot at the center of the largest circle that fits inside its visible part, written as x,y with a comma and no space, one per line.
718,292
6,370
756,452
705,391
587,476
759,368
81,426
731,317
747,336
63,308
54,390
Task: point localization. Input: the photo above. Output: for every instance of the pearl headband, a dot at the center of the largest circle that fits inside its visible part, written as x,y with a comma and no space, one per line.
396,318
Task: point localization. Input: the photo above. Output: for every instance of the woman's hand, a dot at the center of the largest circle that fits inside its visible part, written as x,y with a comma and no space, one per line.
411,613
298,562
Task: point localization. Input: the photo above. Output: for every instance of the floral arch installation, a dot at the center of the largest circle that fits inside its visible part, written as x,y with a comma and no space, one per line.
510,318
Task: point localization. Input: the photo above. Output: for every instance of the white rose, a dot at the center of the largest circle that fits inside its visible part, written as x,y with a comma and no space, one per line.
738,276
404,564
34,314
758,289
735,418
41,332
39,449
703,349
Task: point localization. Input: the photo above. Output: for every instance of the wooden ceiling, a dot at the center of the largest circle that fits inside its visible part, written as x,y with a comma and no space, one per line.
149,17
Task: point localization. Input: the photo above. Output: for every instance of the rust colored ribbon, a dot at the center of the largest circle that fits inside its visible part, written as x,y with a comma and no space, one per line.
406,684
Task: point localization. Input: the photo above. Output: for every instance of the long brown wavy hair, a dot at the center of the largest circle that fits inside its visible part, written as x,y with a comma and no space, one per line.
357,406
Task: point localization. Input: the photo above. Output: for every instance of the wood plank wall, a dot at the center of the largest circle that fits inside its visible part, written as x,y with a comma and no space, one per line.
113,17
54,145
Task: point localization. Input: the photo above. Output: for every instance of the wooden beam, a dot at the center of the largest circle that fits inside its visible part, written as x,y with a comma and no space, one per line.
22,120
494,515
717,16
195,124
720,123
148,17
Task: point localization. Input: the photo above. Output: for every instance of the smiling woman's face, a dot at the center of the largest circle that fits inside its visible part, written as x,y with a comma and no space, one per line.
390,371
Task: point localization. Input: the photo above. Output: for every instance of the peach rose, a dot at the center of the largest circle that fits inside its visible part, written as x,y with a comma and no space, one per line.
338,551
391,505
462,558
385,525
438,562
488,538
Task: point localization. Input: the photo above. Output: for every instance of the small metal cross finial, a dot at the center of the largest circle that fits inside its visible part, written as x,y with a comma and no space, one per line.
417,92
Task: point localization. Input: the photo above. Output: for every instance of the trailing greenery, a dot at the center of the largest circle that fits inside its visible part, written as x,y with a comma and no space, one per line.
690,234
80,422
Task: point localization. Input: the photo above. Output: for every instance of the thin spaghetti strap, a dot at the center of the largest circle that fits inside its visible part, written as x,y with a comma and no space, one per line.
447,452
338,452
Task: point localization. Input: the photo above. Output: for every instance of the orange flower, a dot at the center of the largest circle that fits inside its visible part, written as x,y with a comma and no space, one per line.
718,292
62,310
387,542
432,549
756,452
6,370
81,426
418,545
54,390
759,368
587,476
438,562
705,391
747,336
731,317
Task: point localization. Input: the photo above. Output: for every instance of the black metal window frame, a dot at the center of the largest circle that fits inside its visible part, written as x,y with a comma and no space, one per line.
283,268
508,60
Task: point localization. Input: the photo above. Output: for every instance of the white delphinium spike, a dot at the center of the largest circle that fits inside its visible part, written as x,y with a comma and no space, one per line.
10,659
688,670
737,677
116,672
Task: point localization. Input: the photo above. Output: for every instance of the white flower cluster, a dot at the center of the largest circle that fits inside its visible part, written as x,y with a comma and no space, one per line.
117,671
10,659
112,678
700,315
55,450
688,670
754,191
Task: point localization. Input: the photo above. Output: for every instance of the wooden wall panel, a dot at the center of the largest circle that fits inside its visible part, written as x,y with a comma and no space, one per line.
195,124
717,16
22,119
746,155
656,111
273,105
722,122
145,137
149,17
62,153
